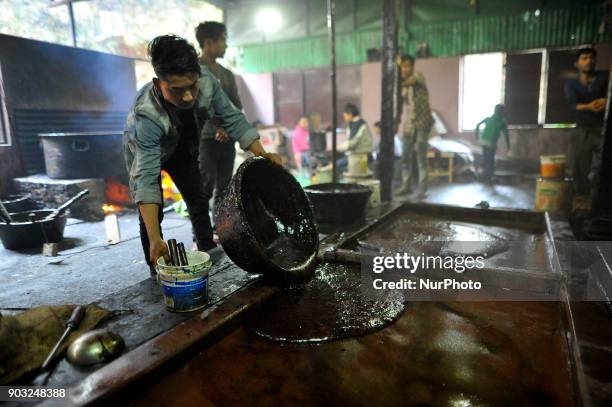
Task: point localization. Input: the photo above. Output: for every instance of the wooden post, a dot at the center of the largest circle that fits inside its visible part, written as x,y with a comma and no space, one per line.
602,197
387,120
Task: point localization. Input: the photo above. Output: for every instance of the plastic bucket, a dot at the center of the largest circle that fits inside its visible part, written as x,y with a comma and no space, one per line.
185,288
552,166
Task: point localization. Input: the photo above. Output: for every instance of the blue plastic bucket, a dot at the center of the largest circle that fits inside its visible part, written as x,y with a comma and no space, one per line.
185,288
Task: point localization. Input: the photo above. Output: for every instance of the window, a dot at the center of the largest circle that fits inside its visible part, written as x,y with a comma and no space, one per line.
533,84
522,88
125,27
481,87
560,69
144,72
37,20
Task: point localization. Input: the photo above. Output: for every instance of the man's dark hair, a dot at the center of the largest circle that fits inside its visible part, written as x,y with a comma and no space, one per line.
172,55
211,30
585,50
407,57
351,109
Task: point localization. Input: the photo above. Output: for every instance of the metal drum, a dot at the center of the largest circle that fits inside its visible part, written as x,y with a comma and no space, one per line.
83,155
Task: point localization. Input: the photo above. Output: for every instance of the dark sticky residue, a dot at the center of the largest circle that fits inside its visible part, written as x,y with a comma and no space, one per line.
330,306
266,224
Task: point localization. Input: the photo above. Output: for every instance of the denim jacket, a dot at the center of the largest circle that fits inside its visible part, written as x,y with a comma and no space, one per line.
152,132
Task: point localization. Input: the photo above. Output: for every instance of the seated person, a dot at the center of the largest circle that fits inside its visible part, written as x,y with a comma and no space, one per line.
300,145
359,137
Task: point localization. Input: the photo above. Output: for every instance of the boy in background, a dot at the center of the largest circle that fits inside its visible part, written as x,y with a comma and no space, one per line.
493,127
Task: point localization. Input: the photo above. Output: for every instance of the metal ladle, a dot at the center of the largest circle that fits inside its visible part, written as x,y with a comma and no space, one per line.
4,213
95,347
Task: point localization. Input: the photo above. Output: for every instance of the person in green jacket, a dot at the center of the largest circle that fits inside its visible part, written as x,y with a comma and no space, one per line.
493,127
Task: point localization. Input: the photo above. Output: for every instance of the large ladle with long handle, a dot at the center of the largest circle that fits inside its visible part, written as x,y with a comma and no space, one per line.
4,214
58,211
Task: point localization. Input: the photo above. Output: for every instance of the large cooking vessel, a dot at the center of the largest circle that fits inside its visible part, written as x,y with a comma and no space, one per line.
22,230
83,155
19,203
27,231
265,223
338,203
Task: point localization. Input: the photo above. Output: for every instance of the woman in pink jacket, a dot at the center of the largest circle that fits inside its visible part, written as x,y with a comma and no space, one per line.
300,144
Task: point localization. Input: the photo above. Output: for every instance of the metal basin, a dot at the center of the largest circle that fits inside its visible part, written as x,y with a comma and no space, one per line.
22,233
265,223
19,203
338,203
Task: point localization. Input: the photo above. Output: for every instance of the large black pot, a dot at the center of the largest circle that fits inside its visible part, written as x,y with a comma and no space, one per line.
265,223
83,155
19,203
22,233
338,203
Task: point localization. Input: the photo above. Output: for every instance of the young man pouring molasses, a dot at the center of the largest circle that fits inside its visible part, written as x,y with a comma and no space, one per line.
162,132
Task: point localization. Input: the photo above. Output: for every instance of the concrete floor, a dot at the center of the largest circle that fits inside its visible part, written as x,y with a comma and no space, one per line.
88,269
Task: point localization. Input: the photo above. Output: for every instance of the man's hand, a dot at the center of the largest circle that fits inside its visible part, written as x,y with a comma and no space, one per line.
158,248
258,151
221,136
275,158
409,81
598,105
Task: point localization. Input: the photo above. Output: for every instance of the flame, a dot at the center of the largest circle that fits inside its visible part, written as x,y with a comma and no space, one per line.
168,188
109,208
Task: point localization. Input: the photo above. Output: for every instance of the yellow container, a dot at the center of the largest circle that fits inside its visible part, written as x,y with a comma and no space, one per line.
552,196
552,166
322,176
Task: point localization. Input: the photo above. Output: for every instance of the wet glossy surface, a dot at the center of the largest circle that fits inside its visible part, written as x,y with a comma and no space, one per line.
330,306
502,245
436,354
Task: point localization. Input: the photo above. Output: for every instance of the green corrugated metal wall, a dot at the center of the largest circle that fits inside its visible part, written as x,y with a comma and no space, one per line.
551,28
309,52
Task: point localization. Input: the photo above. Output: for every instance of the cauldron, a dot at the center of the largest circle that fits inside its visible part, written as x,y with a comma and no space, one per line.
19,203
265,223
22,233
338,203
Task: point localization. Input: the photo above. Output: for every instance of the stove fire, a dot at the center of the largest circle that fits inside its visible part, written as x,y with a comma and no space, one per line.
116,191
109,208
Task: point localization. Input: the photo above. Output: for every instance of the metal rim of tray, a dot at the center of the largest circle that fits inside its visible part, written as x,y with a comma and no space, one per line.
147,358
83,134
